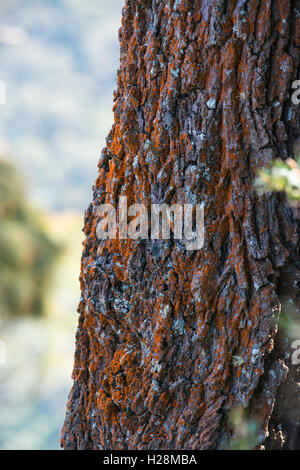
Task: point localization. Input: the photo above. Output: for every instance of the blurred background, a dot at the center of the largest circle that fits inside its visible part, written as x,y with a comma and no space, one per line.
57,74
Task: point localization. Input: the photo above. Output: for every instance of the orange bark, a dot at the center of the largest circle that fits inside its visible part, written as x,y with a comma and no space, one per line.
202,104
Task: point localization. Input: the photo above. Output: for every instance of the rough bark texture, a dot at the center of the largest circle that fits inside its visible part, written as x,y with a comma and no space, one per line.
202,103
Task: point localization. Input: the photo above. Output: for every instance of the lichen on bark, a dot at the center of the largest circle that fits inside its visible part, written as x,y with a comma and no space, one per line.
202,103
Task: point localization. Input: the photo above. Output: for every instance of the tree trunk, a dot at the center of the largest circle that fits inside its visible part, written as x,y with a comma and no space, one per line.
171,343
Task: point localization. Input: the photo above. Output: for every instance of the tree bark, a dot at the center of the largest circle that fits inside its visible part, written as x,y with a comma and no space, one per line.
170,342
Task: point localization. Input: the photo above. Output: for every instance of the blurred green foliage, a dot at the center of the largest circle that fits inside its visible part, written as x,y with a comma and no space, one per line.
289,320
245,430
281,176
27,253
